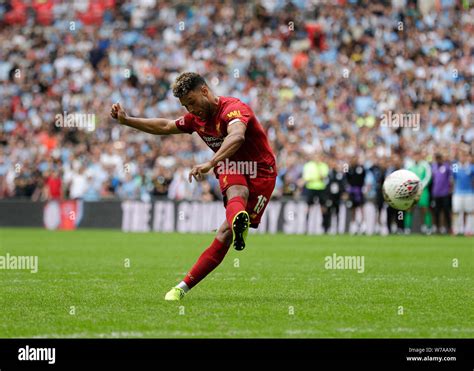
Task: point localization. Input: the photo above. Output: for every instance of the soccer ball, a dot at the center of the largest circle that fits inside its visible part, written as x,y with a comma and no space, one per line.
402,189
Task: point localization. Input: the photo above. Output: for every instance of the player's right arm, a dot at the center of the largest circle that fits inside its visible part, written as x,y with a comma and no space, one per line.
156,126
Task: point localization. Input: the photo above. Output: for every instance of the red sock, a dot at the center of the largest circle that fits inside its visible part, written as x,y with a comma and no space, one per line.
206,263
234,205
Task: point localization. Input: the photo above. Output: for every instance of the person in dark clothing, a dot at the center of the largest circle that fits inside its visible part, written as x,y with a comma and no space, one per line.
378,170
355,181
335,188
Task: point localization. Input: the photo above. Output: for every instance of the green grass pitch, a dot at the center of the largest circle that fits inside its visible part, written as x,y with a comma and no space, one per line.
278,287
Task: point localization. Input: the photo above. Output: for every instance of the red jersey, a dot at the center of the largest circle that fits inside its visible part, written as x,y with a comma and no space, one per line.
213,131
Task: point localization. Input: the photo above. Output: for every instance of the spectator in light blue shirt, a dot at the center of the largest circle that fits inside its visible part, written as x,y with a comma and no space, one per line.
463,195
130,189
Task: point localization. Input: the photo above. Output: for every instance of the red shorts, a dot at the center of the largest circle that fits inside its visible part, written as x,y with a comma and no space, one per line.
260,191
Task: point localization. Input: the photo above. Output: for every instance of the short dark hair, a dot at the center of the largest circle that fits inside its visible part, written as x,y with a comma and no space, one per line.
186,82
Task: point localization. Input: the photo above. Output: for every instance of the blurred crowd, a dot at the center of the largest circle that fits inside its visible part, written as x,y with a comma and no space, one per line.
320,76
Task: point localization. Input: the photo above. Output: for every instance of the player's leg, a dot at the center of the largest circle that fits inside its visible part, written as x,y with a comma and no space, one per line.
234,188
329,204
256,194
309,195
326,216
356,202
400,220
358,211
334,210
408,221
379,221
361,202
437,213
465,223
458,225
424,204
206,263
353,212
389,218
428,218
447,213
443,222
337,208
469,215
260,193
351,209
237,217
468,223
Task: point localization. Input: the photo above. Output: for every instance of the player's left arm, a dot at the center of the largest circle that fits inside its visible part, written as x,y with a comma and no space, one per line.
232,142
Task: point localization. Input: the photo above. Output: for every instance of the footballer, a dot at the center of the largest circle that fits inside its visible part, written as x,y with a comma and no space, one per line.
229,127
